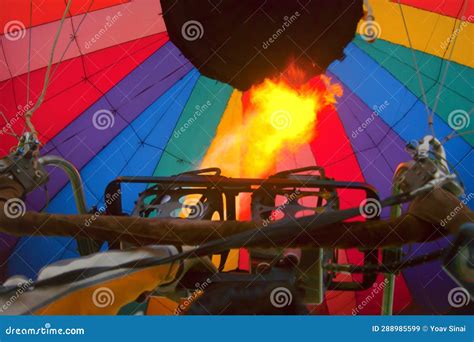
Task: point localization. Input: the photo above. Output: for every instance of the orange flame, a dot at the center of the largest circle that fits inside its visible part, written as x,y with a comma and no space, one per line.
279,118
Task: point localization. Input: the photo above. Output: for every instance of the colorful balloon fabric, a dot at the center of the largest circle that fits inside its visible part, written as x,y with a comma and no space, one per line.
123,100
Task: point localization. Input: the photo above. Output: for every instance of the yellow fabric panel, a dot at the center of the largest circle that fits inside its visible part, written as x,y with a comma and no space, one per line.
228,162
429,32
115,293
216,260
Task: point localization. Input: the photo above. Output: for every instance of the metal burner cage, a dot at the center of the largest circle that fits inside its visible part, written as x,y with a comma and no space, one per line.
214,196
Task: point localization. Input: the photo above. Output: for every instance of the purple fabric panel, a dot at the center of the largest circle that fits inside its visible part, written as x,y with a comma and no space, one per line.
7,245
378,148
81,140
375,142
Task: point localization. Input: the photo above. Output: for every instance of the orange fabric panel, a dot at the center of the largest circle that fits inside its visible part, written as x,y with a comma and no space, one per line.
109,297
161,306
229,161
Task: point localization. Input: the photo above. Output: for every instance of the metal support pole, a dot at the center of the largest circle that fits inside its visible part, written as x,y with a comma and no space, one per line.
73,175
84,246
389,278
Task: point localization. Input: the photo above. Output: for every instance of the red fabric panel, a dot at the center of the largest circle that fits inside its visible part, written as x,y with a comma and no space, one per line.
68,93
45,11
450,8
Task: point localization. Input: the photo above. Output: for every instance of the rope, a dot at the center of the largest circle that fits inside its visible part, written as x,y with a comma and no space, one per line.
420,80
456,135
30,112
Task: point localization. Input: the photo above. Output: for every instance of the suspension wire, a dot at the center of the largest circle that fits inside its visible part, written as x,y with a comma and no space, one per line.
73,38
454,134
30,112
12,133
420,80
448,63
66,49
29,55
418,97
369,9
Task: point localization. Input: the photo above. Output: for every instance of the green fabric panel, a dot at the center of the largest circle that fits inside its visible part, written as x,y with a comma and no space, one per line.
196,127
457,93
